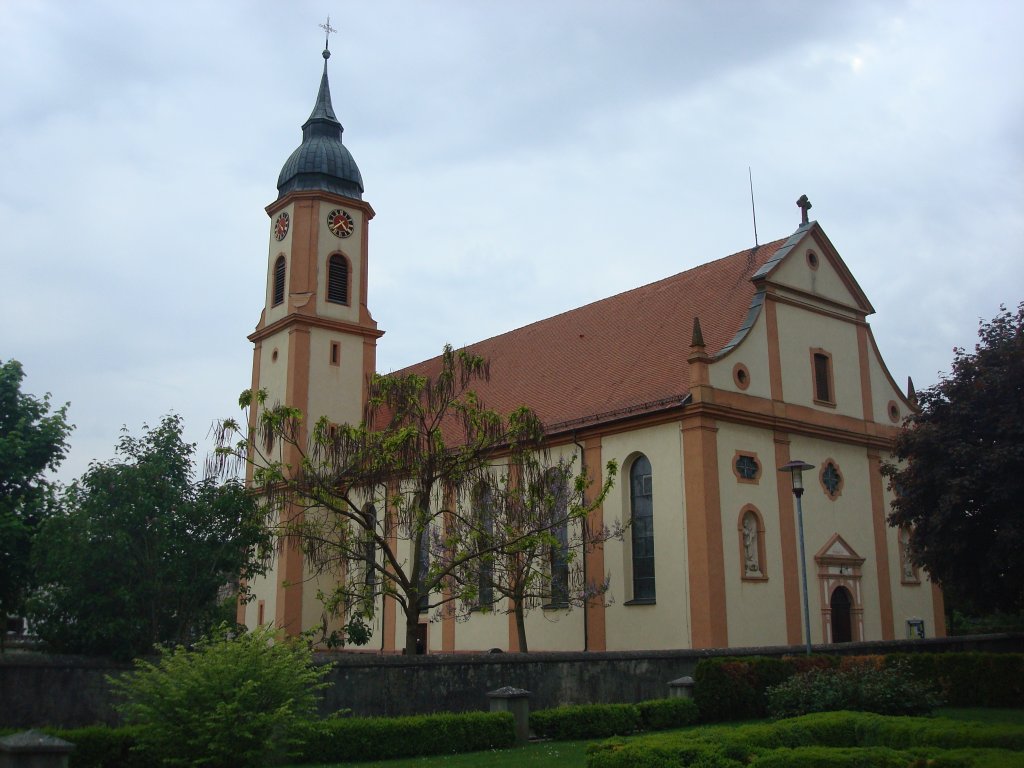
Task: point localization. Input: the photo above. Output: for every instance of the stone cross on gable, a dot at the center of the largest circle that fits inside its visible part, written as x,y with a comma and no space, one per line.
804,205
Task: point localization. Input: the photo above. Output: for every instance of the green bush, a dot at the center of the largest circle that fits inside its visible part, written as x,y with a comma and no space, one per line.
663,714
864,688
832,738
585,721
969,679
383,738
734,688
229,702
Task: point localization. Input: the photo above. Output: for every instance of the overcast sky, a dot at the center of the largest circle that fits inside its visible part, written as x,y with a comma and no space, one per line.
523,158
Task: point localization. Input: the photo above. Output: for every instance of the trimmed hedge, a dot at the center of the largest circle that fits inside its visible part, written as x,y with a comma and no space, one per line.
323,741
664,714
831,738
382,738
100,746
585,721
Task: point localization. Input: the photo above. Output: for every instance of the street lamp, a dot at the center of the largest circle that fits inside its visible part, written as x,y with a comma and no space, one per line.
796,472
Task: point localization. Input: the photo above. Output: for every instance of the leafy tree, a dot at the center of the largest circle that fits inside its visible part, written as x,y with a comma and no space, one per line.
374,505
141,549
32,441
959,482
230,701
534,517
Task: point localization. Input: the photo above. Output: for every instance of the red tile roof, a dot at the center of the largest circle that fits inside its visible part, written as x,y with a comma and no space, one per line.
623,354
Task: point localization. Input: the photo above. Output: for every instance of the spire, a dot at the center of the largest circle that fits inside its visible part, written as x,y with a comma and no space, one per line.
697,339
322,162
323,111
911,393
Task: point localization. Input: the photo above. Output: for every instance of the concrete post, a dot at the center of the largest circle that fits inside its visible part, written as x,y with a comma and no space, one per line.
682,688
33,749
516,701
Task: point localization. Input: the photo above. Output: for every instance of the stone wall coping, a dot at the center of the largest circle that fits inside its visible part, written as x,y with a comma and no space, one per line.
34,742
342,659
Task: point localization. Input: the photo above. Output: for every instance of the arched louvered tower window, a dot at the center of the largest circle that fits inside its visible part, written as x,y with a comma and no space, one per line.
278,282
337,279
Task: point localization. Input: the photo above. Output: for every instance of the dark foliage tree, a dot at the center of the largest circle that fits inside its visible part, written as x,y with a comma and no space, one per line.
32,441
374,505
959,480
140,550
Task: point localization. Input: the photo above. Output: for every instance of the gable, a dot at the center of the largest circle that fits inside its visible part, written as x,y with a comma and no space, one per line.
808,268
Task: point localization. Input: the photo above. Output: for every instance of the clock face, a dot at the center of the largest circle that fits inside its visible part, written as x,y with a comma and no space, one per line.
281,226
340,223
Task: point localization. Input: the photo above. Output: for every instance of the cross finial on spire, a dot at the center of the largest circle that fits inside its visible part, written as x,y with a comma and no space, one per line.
328,29
805,205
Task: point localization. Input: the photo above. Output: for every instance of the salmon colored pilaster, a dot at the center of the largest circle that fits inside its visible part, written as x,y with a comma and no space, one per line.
881,545
939,611
596,639
302,266
704,532
288,613
788,539
448,622
387,624
513,633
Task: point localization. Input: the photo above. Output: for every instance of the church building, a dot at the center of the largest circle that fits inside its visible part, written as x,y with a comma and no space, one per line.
701,386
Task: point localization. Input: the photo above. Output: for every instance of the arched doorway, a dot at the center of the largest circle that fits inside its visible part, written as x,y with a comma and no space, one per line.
842,627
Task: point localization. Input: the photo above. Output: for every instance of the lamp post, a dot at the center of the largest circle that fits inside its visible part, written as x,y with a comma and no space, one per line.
796,473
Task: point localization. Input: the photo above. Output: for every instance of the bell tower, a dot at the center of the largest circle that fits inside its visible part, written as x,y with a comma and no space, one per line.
315,343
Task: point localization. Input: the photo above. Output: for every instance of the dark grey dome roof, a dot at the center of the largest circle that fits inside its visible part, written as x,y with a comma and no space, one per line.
321,161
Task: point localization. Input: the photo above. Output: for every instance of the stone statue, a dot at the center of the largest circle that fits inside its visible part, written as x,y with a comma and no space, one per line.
908,565
750,555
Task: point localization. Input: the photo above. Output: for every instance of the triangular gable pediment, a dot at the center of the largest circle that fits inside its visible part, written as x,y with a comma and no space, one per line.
837,551
809,268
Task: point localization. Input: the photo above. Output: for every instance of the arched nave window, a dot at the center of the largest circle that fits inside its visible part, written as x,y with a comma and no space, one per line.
370,552
485,520
641,512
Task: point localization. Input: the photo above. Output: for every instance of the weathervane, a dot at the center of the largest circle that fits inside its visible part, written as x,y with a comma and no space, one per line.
327,28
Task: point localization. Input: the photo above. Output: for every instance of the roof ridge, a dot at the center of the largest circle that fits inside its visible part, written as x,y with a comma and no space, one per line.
769,248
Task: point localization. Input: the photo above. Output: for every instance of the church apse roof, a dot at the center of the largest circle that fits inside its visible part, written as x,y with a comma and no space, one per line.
623,355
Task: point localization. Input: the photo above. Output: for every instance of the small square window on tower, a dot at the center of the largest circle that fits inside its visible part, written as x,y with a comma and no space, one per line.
335,353
824,388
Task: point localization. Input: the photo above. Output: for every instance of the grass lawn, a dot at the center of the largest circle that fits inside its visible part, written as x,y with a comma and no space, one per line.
573,754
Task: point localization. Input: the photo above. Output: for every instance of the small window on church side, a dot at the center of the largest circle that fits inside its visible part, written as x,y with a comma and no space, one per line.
823,388
831,479
747,467
335,353
278,296
337,279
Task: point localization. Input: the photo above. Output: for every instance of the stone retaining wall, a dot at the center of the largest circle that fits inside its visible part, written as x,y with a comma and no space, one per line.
68,691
